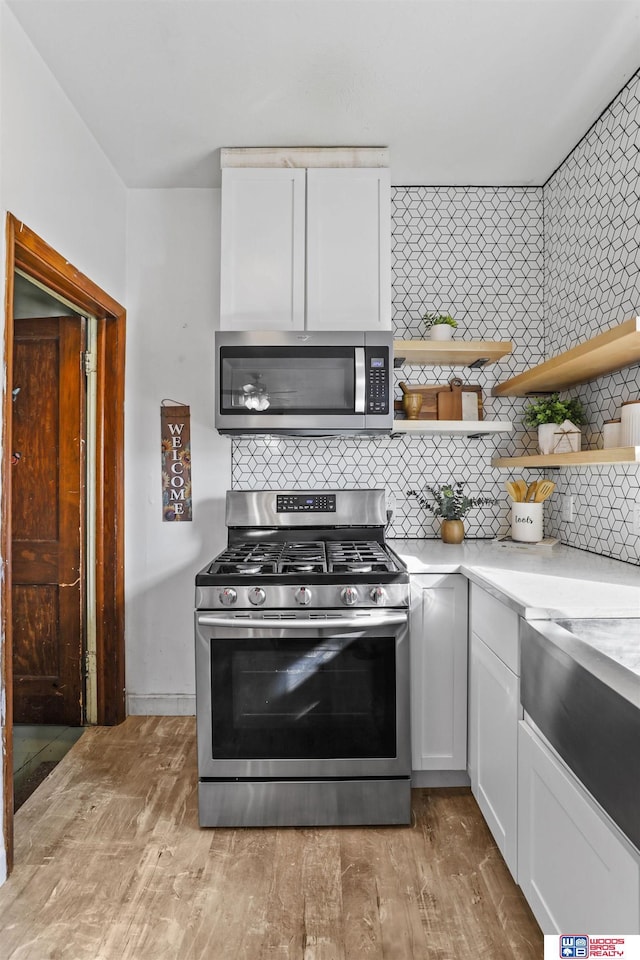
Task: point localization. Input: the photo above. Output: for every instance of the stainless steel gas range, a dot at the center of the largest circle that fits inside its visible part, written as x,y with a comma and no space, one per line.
302,665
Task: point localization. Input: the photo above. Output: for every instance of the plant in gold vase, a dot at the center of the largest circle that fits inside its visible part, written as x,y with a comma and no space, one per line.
451,504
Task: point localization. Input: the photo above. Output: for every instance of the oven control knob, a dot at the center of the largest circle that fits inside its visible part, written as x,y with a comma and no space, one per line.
257,596
303,596
377,595
228,596
349,596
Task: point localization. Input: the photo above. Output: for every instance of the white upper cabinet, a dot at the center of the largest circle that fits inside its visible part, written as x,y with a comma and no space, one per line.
305,246
348,249
262,260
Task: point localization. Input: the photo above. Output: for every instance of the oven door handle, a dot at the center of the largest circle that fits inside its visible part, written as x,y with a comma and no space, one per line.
334,623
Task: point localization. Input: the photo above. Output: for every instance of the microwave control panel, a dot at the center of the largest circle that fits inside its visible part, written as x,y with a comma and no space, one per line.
377,363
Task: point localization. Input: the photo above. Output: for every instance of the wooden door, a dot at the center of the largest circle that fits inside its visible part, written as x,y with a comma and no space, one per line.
48,521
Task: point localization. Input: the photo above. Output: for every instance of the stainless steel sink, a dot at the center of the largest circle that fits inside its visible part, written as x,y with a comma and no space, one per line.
580,684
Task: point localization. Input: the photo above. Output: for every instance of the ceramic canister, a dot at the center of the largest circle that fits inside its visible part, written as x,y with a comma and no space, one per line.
630,424
611,434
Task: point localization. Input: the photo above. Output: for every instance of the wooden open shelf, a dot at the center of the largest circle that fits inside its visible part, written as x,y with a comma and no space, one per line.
469,428
450,352
605,353
581,458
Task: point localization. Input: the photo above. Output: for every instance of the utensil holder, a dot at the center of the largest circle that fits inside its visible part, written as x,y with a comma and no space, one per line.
526,522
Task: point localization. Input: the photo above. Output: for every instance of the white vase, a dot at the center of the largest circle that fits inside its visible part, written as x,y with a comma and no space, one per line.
441,331
545,436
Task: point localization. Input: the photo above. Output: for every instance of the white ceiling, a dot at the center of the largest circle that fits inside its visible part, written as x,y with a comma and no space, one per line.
462,91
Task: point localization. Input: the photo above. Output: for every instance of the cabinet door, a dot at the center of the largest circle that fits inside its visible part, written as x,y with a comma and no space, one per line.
262,263
348,249
575,869
439,672
494,711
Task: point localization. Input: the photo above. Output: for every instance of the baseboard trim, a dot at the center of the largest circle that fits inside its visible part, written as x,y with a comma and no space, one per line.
161,705
440,778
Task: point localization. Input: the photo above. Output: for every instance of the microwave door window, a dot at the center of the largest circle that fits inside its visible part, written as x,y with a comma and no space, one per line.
278,381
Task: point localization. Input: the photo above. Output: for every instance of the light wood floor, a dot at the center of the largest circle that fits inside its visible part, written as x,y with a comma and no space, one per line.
111,865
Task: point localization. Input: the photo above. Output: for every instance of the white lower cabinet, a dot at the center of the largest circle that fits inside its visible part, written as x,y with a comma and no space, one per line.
577,871
439,672
494,712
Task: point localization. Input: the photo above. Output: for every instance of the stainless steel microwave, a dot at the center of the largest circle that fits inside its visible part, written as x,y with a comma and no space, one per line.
304,383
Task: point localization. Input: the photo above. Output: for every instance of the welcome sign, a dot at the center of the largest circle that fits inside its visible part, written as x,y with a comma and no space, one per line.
176,462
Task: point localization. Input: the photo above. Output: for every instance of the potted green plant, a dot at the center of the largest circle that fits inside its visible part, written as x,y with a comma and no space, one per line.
551,415
451,504
439,325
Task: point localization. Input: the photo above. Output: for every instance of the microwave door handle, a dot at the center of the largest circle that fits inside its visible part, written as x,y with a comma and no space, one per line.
360,380
331,623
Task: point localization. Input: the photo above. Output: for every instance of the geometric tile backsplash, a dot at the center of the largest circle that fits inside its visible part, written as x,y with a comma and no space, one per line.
592,282
545,267
478,254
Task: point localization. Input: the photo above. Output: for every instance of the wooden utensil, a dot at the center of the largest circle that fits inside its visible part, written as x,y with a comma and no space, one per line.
544,490
522,487
513,491
531,492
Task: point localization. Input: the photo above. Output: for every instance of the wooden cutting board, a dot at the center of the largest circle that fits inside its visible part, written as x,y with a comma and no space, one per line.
436,405
450,401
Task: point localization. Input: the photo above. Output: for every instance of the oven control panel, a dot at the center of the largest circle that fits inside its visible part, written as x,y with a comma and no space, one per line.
288,600
306,503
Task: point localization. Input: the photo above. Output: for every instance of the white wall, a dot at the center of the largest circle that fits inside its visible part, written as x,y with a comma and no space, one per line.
173,253
54,176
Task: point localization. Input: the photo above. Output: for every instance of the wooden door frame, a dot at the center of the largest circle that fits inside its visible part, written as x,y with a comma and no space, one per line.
26,251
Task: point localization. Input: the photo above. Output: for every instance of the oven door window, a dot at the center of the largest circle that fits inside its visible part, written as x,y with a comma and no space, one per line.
303,699
287,380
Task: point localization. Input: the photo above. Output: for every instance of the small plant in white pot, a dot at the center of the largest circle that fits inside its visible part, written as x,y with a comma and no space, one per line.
439,325
552,416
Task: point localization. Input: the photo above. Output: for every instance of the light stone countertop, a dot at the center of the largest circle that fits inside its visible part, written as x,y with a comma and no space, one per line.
559,583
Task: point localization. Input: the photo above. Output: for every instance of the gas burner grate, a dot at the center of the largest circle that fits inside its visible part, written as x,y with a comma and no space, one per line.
248,558
291,557
306,556
358,556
